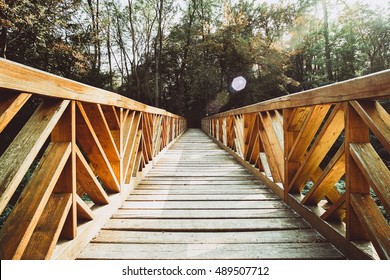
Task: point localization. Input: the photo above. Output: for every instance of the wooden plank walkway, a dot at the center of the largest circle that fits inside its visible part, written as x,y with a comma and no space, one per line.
199,203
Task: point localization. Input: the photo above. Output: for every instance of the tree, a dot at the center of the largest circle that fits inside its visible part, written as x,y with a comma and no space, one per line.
94,11
158,50
4,23
328,60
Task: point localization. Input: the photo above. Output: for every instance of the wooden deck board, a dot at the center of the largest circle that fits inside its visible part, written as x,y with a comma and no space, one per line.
204,205
210,251
199,181
202,197
199,191
241,237
199,203
202,187
201,225
204,214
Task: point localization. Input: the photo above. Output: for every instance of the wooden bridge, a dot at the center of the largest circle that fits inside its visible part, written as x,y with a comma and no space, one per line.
94,175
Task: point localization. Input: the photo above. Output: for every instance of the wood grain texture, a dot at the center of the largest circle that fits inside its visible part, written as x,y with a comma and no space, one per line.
47,232
307,132
83,210
203,197
210,251
10,104
241,237
88,182
215,225
273,145
22,221
376,117
269,160
203,204
374,170
204,213
337,211
356,131
26,79
65,131
16,160
89,142
329,133
101,128
373,222
331,174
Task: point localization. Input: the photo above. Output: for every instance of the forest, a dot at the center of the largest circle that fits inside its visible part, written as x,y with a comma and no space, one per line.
183,55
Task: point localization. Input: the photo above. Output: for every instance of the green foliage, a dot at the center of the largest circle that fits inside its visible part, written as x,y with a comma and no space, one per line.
359,44
279,48
3,217
39,34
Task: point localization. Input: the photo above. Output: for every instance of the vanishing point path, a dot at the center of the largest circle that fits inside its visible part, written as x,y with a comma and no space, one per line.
199,203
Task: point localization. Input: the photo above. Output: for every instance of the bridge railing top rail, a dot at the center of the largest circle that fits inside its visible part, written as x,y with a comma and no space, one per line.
376,86
14,76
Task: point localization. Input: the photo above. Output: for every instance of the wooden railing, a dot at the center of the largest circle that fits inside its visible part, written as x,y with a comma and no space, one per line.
81,153
301,145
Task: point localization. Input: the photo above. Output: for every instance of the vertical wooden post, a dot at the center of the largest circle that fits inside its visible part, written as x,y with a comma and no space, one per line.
213,127
229,131
121,147
163,132
177,127
173,125
216,128
220,132
169,129
356,131
224,134
65,131
155,129
245,132
289,138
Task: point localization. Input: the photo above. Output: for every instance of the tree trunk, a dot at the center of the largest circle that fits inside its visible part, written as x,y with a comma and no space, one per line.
108,43
183,85
90,5
3,42
134,62
327,45
123,53
95,33
158,51
98,43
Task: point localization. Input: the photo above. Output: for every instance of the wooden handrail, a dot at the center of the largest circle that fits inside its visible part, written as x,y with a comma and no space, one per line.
81,153
25,79
365,87
302,144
